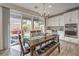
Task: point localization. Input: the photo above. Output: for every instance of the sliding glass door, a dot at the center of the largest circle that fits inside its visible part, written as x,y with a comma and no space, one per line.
15,28
23,25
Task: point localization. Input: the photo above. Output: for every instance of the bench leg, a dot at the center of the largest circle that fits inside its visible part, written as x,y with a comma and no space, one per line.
59,48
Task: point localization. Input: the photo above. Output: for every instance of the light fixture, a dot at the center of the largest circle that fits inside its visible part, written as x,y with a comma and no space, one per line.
50,6
35,7
48,13
45,13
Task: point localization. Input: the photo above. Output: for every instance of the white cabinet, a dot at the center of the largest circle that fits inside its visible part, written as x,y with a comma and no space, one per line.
56,21
74,16
67,17
49,22
71,17
61,20
53,22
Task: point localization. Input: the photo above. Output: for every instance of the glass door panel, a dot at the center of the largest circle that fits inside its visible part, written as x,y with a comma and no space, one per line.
26,27
15,28
39,25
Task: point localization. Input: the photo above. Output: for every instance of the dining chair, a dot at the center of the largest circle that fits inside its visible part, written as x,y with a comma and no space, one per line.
25,49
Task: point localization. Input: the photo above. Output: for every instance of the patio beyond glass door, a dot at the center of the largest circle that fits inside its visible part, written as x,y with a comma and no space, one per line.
15,29
26,27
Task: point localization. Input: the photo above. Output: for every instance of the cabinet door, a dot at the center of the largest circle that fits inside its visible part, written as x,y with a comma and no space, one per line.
74,17
56,21
67,18
61,20
53,22
48,22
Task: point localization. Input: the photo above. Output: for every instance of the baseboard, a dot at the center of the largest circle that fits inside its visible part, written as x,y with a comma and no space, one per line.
3,49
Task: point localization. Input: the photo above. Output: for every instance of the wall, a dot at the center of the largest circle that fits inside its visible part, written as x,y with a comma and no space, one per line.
6,19
1,37
66,18
4,22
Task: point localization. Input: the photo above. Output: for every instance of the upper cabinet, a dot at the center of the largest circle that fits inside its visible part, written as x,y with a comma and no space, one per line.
74,16
56,21
61,20
67,17
52,21
48,22
71,17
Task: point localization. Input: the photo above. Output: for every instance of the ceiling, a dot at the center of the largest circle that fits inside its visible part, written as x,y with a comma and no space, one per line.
52,8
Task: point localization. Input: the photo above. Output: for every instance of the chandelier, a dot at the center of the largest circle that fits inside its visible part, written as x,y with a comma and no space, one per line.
45,11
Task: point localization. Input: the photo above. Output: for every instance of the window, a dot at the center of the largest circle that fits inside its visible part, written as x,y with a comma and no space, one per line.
38,24
26,27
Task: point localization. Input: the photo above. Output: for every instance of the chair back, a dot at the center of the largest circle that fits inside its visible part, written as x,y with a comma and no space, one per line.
21,45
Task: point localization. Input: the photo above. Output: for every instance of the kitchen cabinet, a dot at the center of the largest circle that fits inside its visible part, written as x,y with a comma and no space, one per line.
57,21
71,17
67,17
61,20
50,22
74,16
53,21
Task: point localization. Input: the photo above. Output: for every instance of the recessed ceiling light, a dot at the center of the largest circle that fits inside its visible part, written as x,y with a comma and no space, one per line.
50,6
48,12
35,7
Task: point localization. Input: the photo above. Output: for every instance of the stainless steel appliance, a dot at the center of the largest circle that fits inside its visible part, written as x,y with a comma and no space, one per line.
71,30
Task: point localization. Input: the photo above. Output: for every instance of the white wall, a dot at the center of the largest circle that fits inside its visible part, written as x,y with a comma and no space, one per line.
1,37
67,18
6,21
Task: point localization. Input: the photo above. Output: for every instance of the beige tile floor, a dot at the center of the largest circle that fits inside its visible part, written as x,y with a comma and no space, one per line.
67,49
